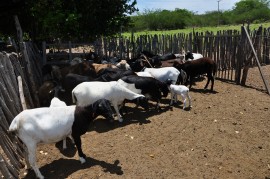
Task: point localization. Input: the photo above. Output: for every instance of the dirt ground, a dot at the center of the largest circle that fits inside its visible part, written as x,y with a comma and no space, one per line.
225,135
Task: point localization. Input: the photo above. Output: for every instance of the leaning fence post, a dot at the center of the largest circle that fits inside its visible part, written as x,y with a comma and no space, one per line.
4,169
21,92
257,60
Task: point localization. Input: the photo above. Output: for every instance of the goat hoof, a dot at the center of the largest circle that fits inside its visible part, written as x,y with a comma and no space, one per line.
82,160
120,119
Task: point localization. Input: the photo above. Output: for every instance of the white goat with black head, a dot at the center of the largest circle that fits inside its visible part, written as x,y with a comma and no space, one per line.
86,93
53,124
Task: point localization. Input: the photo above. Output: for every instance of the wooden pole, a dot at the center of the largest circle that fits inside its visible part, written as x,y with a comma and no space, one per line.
258,63
21,92
4,169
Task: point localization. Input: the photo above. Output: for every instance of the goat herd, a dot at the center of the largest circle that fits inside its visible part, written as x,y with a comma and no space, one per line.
95,87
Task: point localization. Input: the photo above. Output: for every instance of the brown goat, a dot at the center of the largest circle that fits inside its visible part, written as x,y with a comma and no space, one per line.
99,67
170,63
199,67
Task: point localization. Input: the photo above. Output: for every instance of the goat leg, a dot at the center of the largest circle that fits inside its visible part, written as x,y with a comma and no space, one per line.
32,159
78,143
158,106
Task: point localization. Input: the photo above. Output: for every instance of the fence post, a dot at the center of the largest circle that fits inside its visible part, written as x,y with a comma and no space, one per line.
248,60
266,46
44,59
239,58
257,60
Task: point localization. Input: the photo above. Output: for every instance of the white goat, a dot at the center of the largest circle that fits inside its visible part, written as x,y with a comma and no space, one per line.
53,124
143,73
123,65
55,102
195,56
87,92
163,74
180,90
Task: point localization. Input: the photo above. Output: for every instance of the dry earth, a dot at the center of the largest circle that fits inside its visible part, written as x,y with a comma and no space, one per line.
225,135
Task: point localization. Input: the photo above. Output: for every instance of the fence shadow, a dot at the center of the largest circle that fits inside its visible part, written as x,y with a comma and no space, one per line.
246,86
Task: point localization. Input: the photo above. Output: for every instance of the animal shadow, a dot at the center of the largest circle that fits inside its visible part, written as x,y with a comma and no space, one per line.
205,91
63,168
131,115
70,151
180,105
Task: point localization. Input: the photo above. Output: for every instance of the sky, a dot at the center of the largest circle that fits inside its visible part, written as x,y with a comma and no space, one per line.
196,6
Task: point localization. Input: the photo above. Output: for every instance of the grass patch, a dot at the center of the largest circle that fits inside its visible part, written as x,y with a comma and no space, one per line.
213,29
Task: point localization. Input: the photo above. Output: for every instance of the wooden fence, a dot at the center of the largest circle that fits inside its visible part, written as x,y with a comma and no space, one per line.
28,67
229,49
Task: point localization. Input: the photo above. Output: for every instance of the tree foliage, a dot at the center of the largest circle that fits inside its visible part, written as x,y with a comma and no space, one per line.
71,19
243,11
87,19
251,10
162,19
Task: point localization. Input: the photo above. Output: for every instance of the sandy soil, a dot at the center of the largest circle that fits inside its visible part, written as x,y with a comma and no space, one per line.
225,135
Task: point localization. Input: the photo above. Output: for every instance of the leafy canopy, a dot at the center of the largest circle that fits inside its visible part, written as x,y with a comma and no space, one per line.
70,19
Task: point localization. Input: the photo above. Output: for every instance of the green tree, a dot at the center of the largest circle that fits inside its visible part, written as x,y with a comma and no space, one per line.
250,10
72,19
162,19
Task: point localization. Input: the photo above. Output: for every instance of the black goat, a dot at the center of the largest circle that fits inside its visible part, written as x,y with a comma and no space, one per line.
199,67
151,88
112,74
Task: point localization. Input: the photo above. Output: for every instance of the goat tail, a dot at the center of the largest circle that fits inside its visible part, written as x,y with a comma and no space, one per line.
73,97
14,126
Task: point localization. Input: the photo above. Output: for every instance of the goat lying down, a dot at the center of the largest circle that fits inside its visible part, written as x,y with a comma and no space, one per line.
86,93
180,90
53,124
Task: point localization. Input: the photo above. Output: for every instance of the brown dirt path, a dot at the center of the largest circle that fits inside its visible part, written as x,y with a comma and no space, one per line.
225,135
